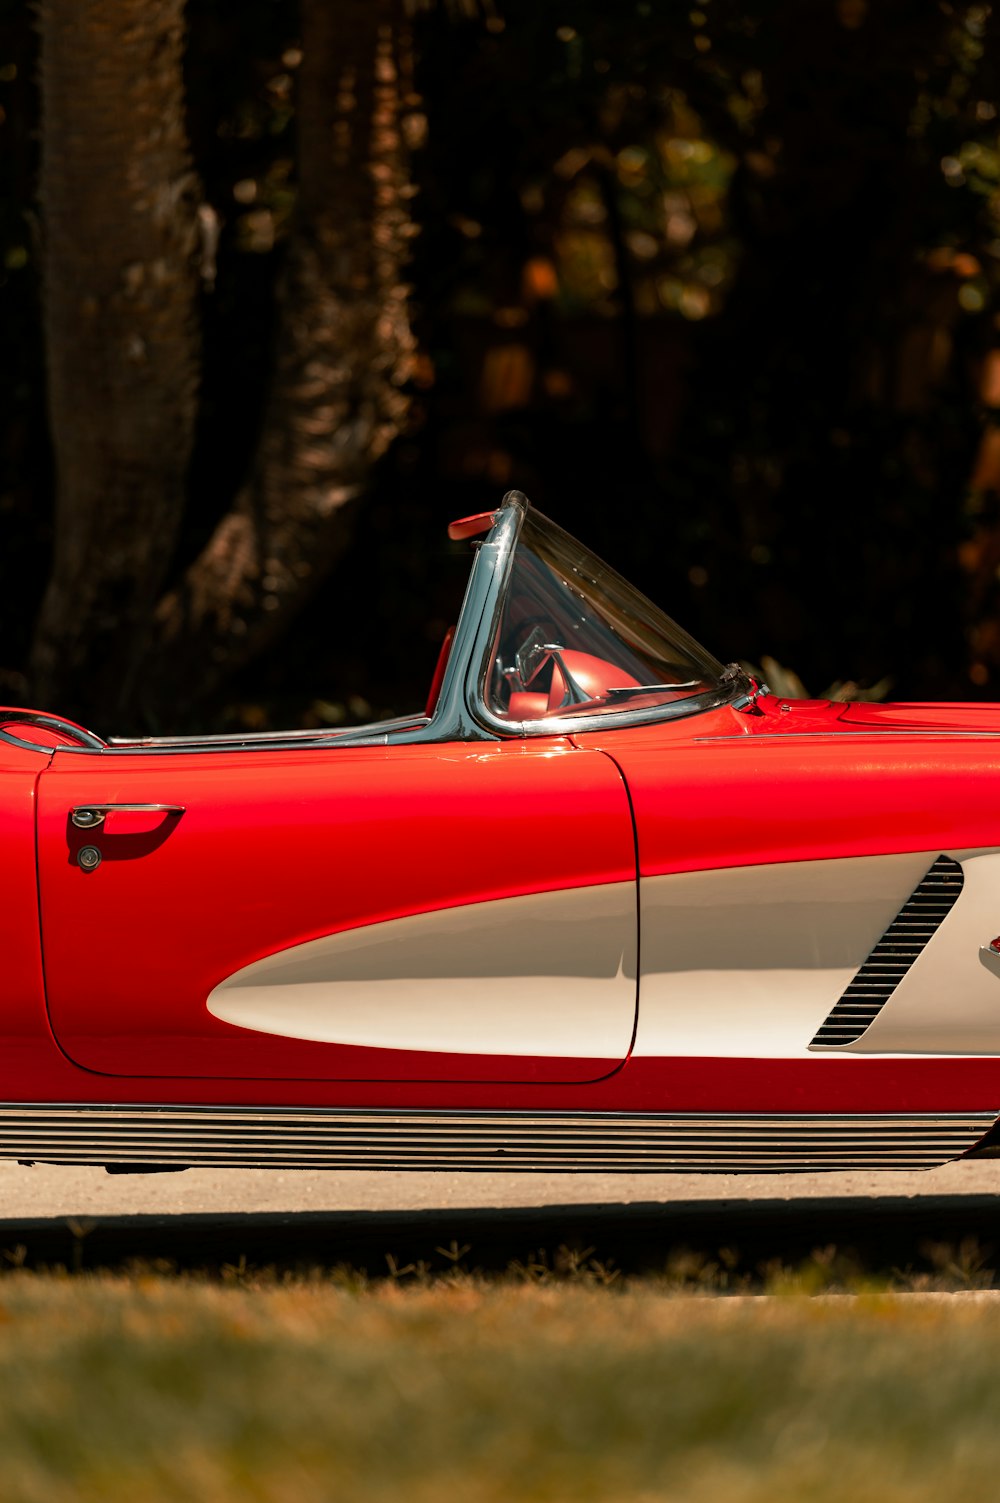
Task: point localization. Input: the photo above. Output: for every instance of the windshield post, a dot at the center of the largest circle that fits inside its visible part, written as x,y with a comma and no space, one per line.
453,718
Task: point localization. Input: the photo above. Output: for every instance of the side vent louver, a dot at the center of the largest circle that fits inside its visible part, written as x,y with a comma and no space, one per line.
914,925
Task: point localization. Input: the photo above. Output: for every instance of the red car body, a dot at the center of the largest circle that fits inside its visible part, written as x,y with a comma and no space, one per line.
573,917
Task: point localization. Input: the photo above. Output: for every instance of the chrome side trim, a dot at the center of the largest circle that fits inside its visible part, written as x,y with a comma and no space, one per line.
871,731
237,741
327,1138
35,746
737,694
88,741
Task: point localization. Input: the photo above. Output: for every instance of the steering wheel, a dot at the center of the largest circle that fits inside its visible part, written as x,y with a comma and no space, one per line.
50,723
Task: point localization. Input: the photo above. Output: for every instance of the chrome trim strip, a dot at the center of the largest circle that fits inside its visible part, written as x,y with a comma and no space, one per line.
35,746
836,735
738,696
234,741
89,742
375,1138
362,735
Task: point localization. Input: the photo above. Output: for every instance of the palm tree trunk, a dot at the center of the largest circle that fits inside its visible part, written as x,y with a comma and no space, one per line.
119,205
343,358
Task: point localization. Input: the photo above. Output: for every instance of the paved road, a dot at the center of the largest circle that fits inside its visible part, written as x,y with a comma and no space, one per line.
46,1191
83,1218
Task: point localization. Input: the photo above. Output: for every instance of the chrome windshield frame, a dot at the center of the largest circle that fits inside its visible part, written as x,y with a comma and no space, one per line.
456,715
462,712
735,688
459,715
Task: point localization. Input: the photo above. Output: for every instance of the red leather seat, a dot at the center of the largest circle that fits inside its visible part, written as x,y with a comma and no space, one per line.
595,676
439,667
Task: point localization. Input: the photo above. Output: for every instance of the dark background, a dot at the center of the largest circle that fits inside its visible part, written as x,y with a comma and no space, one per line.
717,287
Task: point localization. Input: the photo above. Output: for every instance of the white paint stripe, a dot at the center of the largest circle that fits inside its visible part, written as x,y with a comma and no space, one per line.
949,1001
747,962
551,974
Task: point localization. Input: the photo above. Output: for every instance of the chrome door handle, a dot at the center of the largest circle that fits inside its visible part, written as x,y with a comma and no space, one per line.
89,815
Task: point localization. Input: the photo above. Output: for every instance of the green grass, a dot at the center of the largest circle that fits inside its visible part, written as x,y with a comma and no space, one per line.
149,1387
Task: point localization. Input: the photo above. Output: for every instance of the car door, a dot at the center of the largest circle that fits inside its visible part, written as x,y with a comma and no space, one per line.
424,912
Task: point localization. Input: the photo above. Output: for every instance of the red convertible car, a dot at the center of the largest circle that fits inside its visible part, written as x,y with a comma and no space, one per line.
604,904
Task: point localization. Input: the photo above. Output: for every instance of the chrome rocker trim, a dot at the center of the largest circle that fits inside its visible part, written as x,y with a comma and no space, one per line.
328,1138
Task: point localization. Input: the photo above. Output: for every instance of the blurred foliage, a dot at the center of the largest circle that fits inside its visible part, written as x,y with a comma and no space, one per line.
777,390
718,287
556,1380
25,474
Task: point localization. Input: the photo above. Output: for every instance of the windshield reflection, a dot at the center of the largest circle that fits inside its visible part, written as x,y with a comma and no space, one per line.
577,639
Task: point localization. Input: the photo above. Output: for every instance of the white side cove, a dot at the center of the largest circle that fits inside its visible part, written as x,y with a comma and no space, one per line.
552,974
748,961
949,1000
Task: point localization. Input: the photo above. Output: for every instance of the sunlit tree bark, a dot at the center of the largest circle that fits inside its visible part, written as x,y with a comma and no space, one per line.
119,207
343,356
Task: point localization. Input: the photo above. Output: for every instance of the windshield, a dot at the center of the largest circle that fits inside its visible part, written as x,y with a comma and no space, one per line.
575,638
